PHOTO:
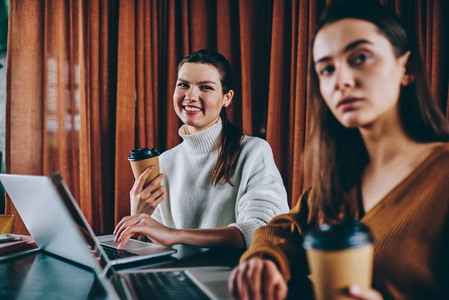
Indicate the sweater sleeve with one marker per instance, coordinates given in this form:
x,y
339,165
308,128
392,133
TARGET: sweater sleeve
x,y
281,241
264,197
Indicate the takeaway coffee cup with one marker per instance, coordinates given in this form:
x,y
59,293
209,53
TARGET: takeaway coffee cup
x,y
339,256
142,158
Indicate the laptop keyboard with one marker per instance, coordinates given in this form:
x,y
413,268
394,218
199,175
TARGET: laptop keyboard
x,y
165,285
114,253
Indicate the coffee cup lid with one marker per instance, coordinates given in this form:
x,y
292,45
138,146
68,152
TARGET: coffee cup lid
x,y
344,235
142,153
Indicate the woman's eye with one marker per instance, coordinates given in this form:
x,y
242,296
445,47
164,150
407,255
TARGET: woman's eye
x,y
183,85
327,70
206,87
361,58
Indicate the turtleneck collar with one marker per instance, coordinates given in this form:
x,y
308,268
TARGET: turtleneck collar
x,y
201,142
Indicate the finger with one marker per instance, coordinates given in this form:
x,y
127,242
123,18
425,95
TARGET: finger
x,y
271,279
123,220
143,177
232,284
255,277
131,221
128,233
268,285
159,199
281,291
125,238
151,187
360,293
149,193
242,288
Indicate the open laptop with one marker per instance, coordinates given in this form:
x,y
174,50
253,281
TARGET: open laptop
x,y
45,205
57,225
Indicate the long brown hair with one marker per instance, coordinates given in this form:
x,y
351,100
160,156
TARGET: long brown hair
x,y
336,156
229,141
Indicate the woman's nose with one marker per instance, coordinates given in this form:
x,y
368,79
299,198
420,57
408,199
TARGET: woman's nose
x,y
344,78
191,94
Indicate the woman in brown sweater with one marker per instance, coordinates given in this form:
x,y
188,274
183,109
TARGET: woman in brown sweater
x,y
378,153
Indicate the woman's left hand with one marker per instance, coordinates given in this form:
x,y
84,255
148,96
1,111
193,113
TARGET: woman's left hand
x,y
359,293
143,225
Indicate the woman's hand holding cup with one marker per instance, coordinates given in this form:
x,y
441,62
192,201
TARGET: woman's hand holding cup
x,y
147,192
145,199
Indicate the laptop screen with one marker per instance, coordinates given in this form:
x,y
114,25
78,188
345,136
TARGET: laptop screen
x,y
80,221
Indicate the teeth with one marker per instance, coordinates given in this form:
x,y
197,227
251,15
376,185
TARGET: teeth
x,y
189,108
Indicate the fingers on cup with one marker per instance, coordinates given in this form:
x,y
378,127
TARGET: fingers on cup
x,y
360,293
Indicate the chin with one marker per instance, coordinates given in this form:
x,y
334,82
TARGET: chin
x,y
351,123
355,119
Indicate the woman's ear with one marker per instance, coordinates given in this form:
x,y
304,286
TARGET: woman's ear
x,y
228,98
403,60
407,78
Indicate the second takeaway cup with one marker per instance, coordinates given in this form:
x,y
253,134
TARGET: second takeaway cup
x,y
339,256
142,158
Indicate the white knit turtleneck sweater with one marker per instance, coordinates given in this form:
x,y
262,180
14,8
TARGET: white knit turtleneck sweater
x,y
192,201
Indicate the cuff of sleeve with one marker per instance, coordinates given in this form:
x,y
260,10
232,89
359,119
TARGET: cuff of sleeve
x,y
247,229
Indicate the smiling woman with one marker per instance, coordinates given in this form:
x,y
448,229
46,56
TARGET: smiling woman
x,y
219,185
198,97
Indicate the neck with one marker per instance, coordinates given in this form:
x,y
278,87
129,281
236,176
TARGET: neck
x,y
388,146
386,141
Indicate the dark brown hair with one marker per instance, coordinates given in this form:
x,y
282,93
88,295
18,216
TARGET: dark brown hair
x,y
336,156
231,135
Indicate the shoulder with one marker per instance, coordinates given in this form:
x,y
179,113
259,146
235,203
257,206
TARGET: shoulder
x,y
256,149
443,151
256,155
439,158
250,143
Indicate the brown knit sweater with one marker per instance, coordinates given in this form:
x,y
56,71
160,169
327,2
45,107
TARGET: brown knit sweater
x,y
410,227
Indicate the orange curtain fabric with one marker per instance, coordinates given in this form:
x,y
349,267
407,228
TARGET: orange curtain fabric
x,y
88,81
61,99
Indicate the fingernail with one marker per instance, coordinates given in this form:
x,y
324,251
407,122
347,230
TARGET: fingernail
x,y
355,289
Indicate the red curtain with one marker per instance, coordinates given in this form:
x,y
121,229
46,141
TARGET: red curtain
x,y
87,81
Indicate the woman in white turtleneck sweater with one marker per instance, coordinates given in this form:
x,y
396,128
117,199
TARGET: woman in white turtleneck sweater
x,y
219,185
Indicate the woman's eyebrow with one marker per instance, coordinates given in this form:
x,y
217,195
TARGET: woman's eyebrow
x,y
207,81
200,82
355,44
349,47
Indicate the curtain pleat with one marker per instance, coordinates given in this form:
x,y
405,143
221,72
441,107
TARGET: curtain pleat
x,y
25,93
90,80
282,71
126,107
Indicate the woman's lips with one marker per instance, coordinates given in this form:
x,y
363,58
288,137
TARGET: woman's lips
x,y
192,109
348,103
